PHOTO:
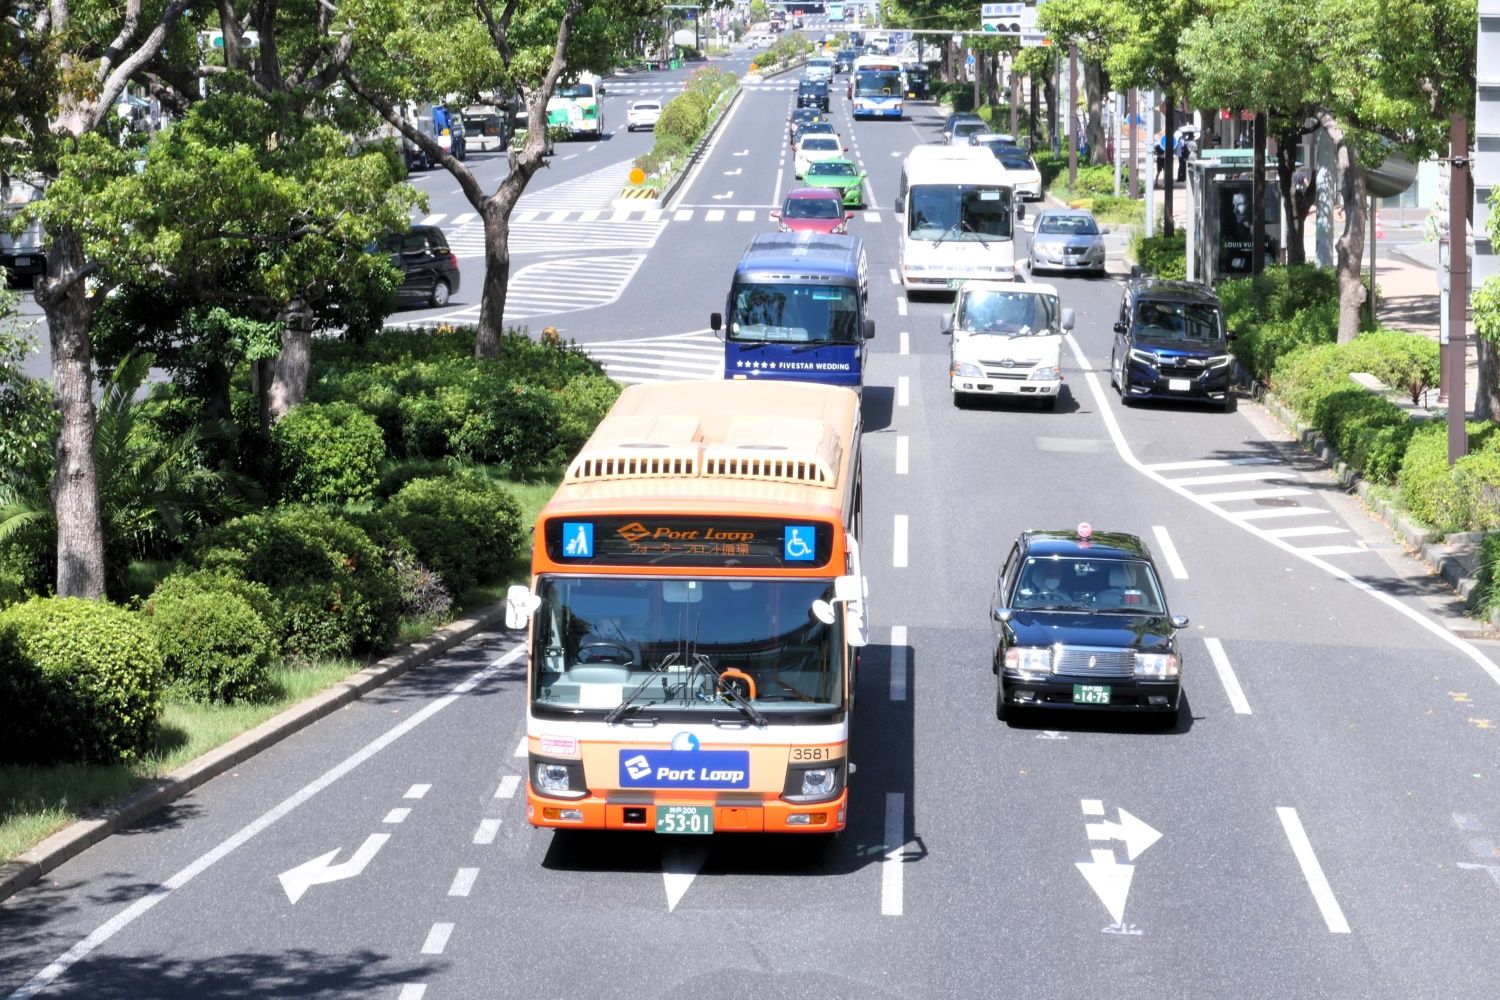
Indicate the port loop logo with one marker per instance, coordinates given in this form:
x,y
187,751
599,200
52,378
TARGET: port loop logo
x,y
701,769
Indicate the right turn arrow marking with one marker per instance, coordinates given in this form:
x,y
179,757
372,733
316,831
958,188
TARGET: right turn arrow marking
x,y
1137,834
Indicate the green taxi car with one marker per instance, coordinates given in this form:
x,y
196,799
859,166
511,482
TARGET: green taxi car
x,y
841,175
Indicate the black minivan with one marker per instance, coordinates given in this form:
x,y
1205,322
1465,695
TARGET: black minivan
x,y
429,269
1170,343
812,94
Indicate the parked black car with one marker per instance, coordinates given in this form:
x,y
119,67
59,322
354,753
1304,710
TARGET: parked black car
x,y
1081,623
428,267
918,81
1170,343
812,94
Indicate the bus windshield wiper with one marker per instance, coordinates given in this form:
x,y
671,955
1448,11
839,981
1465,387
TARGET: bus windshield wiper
x,y
803,348
629,700
950,232
729,693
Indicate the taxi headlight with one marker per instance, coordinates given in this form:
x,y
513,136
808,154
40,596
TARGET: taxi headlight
x,y
551,777
1029,659
1145,357
962,370
1044,373
1156,665
818,782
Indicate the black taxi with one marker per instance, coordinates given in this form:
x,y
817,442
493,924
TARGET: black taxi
x,y
1081,622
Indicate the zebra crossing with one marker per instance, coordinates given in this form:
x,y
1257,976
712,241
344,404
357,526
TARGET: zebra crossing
x,y
667,358
551,288
594,190
1262,491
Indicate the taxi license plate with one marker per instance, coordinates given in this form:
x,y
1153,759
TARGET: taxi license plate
x,y
1088,694
1180,384
684,819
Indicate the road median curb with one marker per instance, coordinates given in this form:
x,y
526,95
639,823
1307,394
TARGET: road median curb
x,y
30,866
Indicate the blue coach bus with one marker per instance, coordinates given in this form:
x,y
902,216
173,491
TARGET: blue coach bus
x,y
797,310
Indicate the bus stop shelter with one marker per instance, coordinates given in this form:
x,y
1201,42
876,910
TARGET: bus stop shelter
x,y
1219,211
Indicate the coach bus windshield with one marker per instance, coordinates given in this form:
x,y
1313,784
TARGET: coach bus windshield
x,y
794,314
960,212
875,83
671,644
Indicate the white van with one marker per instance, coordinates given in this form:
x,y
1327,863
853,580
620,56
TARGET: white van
x,y
958,214
1007,341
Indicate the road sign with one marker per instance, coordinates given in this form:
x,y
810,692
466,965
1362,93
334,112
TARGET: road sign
x,y
1006,18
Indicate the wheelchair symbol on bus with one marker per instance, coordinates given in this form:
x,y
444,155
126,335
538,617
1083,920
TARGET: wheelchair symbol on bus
x,y
798,543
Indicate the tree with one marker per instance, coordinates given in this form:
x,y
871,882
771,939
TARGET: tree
x,y
417,49
83,54
1096,27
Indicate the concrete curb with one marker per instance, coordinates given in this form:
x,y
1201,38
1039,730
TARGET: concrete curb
x,y
58,848
1455,571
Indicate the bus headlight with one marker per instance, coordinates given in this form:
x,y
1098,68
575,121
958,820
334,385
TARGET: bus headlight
x,y
1155,665
551,778
819,782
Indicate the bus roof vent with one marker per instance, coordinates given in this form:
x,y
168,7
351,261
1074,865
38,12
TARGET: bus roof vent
x,y
786,450
638,446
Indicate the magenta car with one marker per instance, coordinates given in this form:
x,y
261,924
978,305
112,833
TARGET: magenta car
x,y
813,210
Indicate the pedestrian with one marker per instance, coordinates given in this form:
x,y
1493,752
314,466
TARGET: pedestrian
x,y
1159,154
1187,145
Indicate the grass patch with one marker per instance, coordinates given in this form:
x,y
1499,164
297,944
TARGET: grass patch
x,y
36,802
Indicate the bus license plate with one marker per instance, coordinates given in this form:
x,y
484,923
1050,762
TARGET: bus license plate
x,y
684,819
1091,694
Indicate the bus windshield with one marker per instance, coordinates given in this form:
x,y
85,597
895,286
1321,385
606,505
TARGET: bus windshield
x,y
575,90
671,643
959,212
874,83
795,314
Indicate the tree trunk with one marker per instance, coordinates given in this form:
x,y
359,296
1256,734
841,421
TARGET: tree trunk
x,y
1093,88
1295,202
75,486
1049,94
290,370
496,277
1487,400
1349,248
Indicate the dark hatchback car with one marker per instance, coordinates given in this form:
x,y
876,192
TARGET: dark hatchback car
x,y
1081,622
918,81
1170,343
429,269
800,117
812,94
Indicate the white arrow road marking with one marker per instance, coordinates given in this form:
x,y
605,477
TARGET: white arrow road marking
x,y
722,197
1138,835
1110,881
679,866
297,881
733,173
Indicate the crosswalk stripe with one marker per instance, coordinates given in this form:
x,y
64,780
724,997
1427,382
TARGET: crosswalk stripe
x,y
745,215
714,215
464,218
1333,550
433,219
683,215
592,215
1233,477
525,216
1262,515
1250,494
1210,463
872,216
1302,532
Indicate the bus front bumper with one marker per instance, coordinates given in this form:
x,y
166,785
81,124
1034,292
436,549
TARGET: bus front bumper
x,y
635,811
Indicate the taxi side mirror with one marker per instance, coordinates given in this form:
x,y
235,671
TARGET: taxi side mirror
x,y
1001,614
1179,621
1119,327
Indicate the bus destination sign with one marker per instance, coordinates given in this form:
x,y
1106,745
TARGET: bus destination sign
x,y
688,541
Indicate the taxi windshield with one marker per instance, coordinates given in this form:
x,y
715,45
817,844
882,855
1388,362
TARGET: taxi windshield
x,y
666,643
1114,586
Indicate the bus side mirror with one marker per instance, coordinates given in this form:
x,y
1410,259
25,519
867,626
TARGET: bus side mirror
x,y
869,329
715,322
1068,317
520,605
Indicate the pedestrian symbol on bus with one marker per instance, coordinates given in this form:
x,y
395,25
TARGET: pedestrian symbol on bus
x,y
578,539
798,544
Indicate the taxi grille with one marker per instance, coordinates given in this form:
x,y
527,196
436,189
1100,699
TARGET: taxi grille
x,y
1094,661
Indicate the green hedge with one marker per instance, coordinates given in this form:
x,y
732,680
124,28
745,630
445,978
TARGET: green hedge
x,y
327,453
1050,165
1486,596
686,117
1161,256
1460,497
337,591
466,529
214,646
81,681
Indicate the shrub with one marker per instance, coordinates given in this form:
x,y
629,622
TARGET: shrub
x,y
337,592
1261,346
468,530
1049,165
1161,256
214,646
582,403
1460,497
682,118
1486,595
1093,181
1369,432
1403,361
327,453
1107,208
81,681
186,583
422,592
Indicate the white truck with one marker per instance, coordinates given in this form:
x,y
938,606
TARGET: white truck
x,y
1007,341
23,254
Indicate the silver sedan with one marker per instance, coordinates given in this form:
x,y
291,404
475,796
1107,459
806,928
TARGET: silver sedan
x,y
1067,240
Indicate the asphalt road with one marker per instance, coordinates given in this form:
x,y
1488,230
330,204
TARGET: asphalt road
x,y
1327,808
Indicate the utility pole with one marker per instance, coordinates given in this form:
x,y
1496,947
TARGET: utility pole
x,y
1458,292
1135,172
